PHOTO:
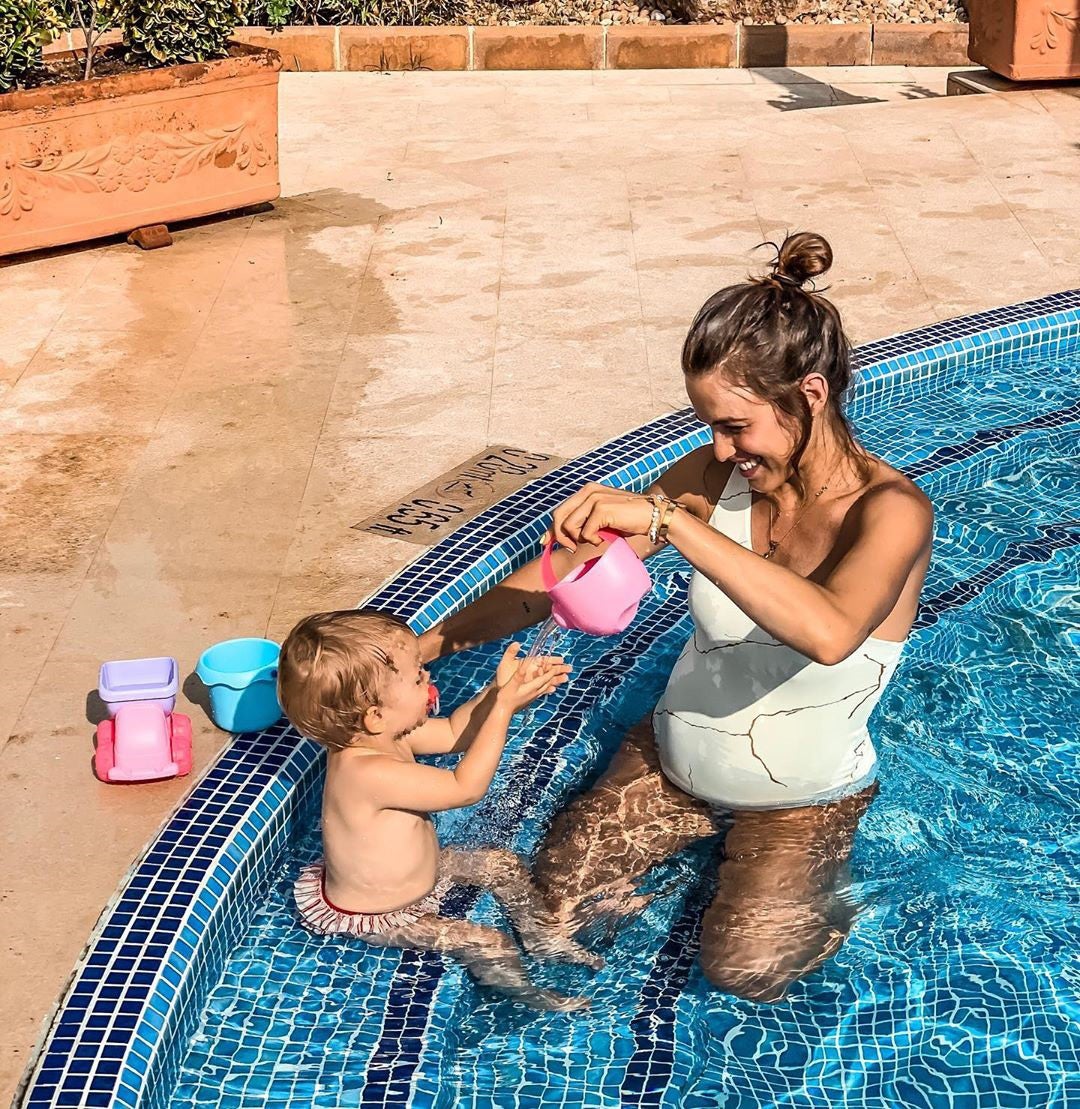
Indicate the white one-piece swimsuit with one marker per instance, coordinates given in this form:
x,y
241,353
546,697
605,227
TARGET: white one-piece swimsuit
x,y
747,722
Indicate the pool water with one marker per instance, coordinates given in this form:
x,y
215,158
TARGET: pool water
x,y
959,984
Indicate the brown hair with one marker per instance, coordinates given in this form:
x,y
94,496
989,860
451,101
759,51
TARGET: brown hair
x,y
332,668
768,333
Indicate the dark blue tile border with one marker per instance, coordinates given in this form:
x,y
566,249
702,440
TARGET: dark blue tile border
x,y
1054,537
649,1069
118,1034
1027,312
991,437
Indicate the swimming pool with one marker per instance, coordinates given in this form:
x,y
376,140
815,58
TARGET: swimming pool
x,y
955,986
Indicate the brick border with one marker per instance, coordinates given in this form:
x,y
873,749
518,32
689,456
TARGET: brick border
x,y
921,44
676,47
591,46
379,49
580,46
806,44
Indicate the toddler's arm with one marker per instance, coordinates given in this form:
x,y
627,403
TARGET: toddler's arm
x,y
400,785
456,733
449,735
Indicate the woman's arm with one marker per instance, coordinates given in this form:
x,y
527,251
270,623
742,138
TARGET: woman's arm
x,y
515,603
520,600
890,529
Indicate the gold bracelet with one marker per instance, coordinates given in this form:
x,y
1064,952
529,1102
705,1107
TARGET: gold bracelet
x,y
665,522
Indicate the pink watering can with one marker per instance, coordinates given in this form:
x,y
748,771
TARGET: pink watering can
x,y
601,596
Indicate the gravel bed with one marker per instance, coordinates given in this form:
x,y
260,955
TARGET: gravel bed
x,y
619,12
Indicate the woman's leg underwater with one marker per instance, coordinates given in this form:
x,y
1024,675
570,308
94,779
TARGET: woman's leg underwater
x,y
605,840
779,912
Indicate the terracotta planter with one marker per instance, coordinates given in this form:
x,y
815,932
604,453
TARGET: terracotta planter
x,y
92,158
1026,40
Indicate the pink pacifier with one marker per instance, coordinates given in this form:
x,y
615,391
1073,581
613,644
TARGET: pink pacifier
x,y
602,595
432,700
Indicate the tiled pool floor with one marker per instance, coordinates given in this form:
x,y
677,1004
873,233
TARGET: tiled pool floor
x,y
189,434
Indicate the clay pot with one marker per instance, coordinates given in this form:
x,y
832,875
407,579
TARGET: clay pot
x,y
91,158
1026,40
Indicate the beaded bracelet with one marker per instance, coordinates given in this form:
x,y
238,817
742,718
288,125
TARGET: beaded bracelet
x,y
663,509
654,523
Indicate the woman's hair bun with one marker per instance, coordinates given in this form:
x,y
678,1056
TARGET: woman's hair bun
x,y
802,256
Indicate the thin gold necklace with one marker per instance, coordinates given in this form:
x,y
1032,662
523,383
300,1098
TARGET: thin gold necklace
x,y
774,543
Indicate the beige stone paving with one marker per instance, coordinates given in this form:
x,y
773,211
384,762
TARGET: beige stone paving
x,y
459,259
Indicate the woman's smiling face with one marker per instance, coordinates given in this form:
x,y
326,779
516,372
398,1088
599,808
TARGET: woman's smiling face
x,y
746,430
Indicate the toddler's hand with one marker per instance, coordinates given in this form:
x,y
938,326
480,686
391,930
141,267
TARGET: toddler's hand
x,y
519,682
508,665
511,661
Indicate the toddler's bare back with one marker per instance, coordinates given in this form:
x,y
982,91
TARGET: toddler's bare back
x,y
377,859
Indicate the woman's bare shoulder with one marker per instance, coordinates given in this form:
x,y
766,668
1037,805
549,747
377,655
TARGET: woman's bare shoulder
x,y
889,477
891,491
696,480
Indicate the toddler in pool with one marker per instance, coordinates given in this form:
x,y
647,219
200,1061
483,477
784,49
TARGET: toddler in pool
x,y
354,682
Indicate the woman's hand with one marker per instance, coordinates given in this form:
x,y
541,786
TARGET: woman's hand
x,y
581,518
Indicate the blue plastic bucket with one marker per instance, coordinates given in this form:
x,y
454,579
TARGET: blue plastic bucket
x,y
241,675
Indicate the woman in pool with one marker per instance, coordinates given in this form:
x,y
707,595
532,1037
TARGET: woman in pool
x,y
809,555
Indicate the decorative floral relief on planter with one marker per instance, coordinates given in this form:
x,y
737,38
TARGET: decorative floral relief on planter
x,y
1046,39
130,163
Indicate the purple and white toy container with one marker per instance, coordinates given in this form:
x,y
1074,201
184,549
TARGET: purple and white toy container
x,y
154,680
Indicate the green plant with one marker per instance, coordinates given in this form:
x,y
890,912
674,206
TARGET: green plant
x,y
390,13
167,32
93,18
274,13
25,27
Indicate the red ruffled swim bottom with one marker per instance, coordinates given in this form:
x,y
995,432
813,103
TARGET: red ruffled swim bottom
x,y
319,915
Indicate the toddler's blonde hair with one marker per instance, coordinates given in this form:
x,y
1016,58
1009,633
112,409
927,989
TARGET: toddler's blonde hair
x,y
332,670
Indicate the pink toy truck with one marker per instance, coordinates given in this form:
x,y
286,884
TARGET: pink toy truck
x,y
143,739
